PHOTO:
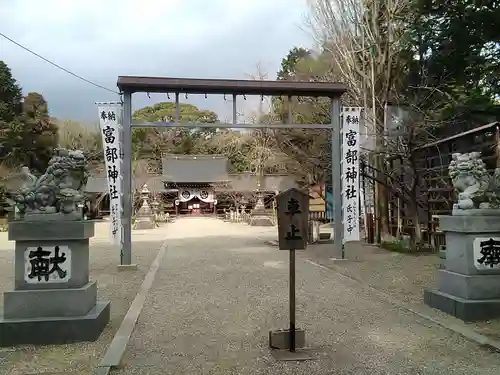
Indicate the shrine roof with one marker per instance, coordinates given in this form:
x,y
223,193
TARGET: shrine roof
x,y
230,86
249,182
99,184
194,168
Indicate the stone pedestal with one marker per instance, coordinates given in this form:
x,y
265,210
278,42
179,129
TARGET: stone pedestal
x,y
53,301
259,216
469,283
280,339
144,218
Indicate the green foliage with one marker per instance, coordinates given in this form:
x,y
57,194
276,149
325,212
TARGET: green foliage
x,y
289,63
452,58
4,206
307,150
10,110
151,143
39,134
28,135
399,246
165,111
10,95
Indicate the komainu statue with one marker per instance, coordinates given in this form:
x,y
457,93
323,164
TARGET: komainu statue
x,y
475,187
59,190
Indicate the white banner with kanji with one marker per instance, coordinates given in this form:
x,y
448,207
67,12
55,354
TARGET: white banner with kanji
x,y
350,173
110,116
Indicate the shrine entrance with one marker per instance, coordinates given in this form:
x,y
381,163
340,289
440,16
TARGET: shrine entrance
x,y
195,206
287,90
195,199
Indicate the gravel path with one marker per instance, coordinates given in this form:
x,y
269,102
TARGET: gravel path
x,y
403,276
119,287
220,290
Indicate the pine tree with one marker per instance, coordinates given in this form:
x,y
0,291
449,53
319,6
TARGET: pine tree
x,y
10,95
39,133
10,110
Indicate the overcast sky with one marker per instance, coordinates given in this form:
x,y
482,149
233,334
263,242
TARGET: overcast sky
x,y
101,40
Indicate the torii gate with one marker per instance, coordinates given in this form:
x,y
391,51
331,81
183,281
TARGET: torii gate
x,y
129,85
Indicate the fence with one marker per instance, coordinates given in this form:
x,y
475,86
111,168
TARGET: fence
x,y
436,193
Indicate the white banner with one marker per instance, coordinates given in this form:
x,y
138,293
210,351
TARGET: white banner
x,y
110,116
350,173
204,195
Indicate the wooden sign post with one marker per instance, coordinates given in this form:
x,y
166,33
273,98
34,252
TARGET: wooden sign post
x,y
293,214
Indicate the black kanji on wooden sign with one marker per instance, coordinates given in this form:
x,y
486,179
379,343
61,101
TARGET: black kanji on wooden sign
x,y
293,214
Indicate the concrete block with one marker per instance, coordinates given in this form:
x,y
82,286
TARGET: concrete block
x,y
261,221
280,339
466,310
127,267
471,224
475,287
55,330
49,230
144,223
79,264
460,254
22,304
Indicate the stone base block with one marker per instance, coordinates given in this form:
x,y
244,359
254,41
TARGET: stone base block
x,y
55,330
261,221
144,224
461,308
127,267
280,339
50,230
442,259
473,287
23,304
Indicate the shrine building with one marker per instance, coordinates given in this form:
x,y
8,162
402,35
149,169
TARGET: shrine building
x,y
196,185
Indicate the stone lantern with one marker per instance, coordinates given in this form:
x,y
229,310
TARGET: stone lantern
x,y
259,215
144,218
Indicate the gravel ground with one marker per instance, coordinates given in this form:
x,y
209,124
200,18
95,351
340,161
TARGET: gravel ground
x,y
118,287
216,297
402,276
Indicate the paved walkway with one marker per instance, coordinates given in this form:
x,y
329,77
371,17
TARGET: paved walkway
x,y
219,291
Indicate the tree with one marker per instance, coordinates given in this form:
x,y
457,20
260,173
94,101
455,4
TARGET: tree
x,y
10,95
254,151
289,63
361,37
10,110
452,61
165,111
75,135
150,143
308,151
39,134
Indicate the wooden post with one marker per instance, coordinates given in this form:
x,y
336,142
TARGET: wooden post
x,y
292,300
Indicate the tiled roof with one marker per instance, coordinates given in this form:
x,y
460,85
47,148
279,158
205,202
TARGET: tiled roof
x,y
195,168
99,184
248,182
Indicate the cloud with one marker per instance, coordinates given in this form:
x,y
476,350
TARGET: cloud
x,y
103,39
